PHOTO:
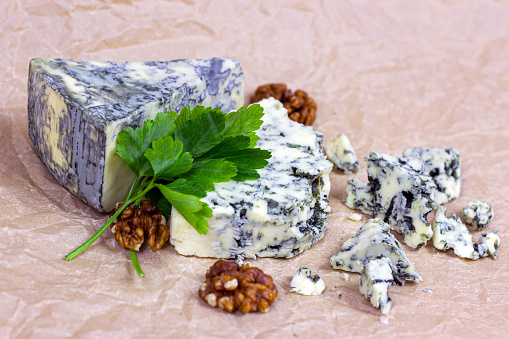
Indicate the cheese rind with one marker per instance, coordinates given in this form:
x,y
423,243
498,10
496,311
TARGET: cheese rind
x,y
478,213
280,214
443,164
340,151
374,240
450,232
304,283
376,278
399,192
76,110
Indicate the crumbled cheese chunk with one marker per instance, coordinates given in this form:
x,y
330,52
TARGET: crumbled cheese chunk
x,y
399,192
443,165
355,217
450,232
340,151
376,278
488,244
478,213
374,240
305,284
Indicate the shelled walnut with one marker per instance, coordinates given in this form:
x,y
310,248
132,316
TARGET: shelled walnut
x,y
231,287
136,223
301,107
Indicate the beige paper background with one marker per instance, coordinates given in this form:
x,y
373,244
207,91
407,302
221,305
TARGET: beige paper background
x,y
389,74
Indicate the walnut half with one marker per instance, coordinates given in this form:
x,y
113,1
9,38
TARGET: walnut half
x,y
301,107
136,223
244,288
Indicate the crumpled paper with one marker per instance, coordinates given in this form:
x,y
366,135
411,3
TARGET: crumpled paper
x,y
388,74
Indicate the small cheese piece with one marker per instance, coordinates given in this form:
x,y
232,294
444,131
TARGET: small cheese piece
x,y
443,164
76,110
488,244
360,196
399,192
355,217
305,284
280,214
340,151
376,278
374,240
450,232
478,213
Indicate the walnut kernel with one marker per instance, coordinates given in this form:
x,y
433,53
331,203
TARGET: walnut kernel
x,y
230,287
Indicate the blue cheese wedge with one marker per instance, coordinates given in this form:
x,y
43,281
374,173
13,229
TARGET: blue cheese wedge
x,y
376,278
443,164
304,283
488,244
450,232
374,240
280,214
76,110
399,192
340,151
478,213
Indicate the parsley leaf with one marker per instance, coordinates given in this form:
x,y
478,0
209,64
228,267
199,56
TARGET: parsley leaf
x,y
133,143
244,121
201,131
191,208
167,159
206,173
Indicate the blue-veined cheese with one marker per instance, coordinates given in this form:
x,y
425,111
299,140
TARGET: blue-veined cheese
x,y
443,164
305,283
374,240
376,278
450,232
340,151
478,213
488,244
399,192
76,110
280,214
360,196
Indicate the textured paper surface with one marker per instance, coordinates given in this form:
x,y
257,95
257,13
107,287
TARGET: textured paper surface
x,y
389,74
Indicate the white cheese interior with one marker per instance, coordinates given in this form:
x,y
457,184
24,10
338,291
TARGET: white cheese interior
x,y
376,278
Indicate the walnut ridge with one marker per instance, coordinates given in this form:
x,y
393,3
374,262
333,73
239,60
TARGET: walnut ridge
x,y
136,223
301,107
232,287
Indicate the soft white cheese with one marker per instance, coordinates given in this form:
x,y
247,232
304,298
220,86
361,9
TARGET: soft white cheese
x,y
488,244
450,232
374,240
376,278
306,284
399,192
478,213
340,151
443,164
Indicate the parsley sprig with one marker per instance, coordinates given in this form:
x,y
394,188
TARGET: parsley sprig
x,y
177,158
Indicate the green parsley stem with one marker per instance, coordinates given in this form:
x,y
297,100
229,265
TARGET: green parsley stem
x,y
90,241
136,265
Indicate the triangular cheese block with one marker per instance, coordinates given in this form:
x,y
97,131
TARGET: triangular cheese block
x,y
76,110
372,241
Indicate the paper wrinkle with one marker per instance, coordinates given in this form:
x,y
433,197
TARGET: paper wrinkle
x,y
389,75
